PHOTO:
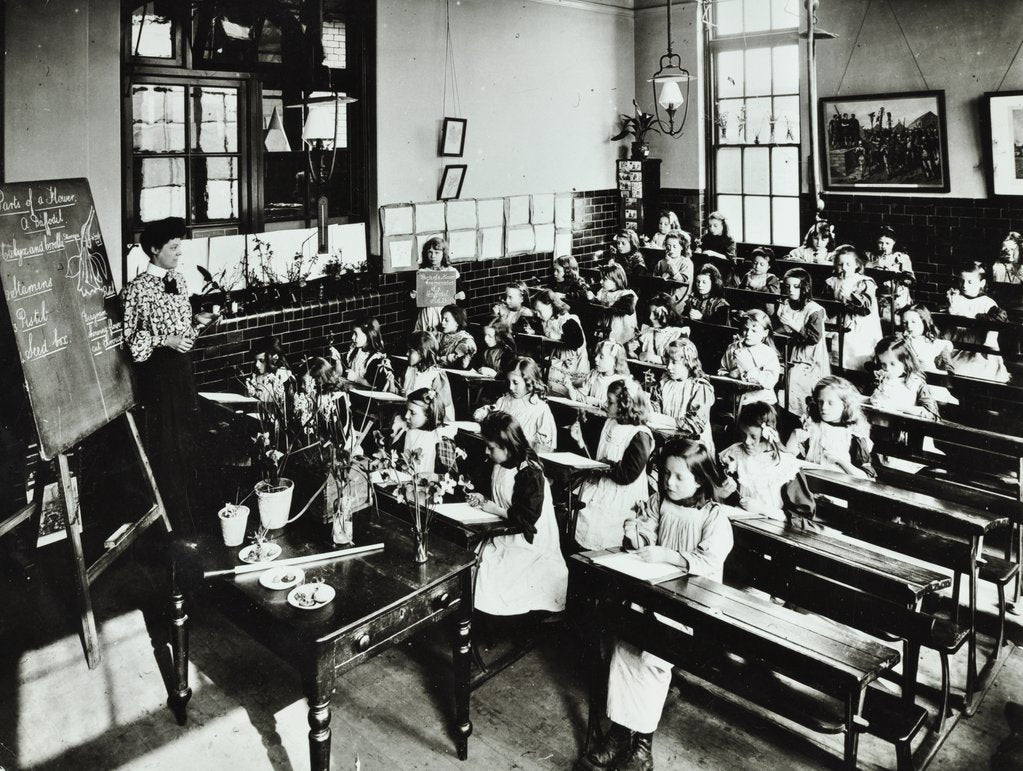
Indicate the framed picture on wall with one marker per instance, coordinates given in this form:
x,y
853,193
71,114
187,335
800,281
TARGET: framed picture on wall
x,y
452,141
451,182
1002,115
885,142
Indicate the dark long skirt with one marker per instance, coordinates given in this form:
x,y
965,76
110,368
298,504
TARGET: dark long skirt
x,y
167,394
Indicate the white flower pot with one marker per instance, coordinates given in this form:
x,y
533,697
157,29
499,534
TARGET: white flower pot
x,y
274,503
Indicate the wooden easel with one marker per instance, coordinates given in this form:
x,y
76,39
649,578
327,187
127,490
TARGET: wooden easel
x,y
86,575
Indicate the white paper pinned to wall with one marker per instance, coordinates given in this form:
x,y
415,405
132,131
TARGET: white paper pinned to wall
x,y
430,218
563,243
543,209
518,210
461,215
398,252
490,212
543,237
396,220
491,243
563,211
462,244
520,240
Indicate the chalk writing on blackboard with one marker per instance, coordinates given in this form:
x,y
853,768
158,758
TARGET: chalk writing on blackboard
x,y
435,288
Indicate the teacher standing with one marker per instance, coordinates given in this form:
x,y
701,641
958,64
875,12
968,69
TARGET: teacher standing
x,y
160,331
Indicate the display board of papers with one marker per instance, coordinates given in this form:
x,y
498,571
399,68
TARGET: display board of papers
x,y
481,229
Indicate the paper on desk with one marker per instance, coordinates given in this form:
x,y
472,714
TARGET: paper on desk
x,y
631,565
570,402
469,426
572,459
224,397
379,395
465,514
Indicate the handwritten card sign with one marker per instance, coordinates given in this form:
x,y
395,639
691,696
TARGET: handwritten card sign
x,y
435,288
61,300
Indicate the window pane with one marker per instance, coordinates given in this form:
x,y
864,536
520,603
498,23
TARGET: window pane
x,y
160,188
215,120
756,170
158,119
728,16
758,71
215,189
268,47
152,34
729,74
731,207
758,114
786,69
785,171
785,216
729,170
225,36
758,219
758,15
785,13
730,121
786,119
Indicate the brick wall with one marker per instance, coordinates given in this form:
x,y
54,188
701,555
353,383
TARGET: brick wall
x,y
937,233
332,38
688,204
304,331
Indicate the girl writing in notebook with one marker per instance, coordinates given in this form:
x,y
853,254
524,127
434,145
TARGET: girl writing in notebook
x,y
686,527
625,445
523,572
526,402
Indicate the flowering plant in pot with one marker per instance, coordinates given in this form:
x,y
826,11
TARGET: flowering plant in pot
x,y
271,449
418,490
637,126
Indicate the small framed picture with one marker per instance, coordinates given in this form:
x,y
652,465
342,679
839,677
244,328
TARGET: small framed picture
x,y
452,142
451,182
1002,115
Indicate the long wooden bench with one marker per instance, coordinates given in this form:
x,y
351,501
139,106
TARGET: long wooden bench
x,y
785,654
950,536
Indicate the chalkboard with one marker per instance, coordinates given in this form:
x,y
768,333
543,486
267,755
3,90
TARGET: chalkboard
x,y
64,309
435,288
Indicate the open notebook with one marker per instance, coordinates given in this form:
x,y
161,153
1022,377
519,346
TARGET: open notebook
x,y
572,459
382,396
465,514
631,565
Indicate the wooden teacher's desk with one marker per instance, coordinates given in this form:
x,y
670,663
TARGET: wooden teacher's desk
x,y
381,598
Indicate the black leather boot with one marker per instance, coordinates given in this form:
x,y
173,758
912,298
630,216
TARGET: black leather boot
x,y
616,743
641,756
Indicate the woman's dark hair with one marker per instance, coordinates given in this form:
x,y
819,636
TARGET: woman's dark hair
x,y
458,314
756,414
805,282
430,243
429,401
701,465
1016,238
662,310
616,273
503,430
157,234
547,297
823,231
763,251
374,338
569,264
717,284
425,345
630,234
272,349
720,217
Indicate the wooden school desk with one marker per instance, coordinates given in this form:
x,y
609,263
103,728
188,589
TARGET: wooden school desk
x,y
382,598
818,653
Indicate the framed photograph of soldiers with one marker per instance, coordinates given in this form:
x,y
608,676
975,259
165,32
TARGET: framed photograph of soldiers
x,y
885,142
1002,115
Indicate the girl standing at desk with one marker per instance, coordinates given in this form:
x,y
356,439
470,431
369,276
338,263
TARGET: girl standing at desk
x,y
160,331
435,257
685,528
524,572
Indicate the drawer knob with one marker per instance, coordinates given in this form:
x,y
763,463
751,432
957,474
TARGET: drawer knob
x,y
363,642
441,601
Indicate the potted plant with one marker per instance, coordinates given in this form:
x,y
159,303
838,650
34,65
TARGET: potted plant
x,y
416,489
271,448
346,275
637,126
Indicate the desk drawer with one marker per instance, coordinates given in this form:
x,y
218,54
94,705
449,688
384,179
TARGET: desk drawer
x,y
377,633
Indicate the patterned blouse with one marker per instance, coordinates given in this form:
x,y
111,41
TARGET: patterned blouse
x,y
152,312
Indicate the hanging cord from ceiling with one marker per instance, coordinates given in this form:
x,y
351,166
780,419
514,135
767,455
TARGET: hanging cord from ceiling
x,y
449,68
1012,61
906,40
852,49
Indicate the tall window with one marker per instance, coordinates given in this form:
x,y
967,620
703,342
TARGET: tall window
x,y
211,135
755,97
